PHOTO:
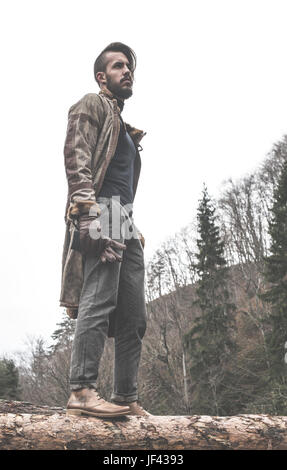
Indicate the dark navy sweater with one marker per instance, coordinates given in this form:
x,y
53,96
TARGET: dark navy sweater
x,y
119,176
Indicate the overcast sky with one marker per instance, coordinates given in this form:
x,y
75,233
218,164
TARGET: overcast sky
x,y
210,92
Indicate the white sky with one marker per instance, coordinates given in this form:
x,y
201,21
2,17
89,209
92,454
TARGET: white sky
x,y
210,92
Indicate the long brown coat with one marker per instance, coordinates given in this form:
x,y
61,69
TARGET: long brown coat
x,y
91,141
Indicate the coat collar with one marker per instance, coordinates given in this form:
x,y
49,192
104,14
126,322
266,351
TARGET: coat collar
x,y
108,94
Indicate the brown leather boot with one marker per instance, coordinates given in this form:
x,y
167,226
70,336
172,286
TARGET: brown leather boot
x,y
86,401
135,408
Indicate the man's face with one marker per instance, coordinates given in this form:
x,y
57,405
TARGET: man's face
x,y
118,75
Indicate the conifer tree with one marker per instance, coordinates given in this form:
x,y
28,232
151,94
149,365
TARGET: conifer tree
x,y
63,335
210,341
9,380
275,273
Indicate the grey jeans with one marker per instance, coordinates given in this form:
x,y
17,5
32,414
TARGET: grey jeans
x,y
112,304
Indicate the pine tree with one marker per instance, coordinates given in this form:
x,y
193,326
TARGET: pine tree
x,y
210,342
63,335
275,274
9,380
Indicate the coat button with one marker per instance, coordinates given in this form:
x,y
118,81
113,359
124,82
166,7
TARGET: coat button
x,y
130,228
130,213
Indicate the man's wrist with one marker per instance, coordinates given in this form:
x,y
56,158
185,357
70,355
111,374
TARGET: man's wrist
x,y
78,208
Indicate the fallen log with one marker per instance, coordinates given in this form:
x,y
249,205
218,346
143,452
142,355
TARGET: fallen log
x,y
27,426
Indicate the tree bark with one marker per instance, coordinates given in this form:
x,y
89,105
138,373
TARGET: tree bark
x,y
27,426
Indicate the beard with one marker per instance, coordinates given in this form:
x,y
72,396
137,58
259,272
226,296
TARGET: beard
x,y
117,90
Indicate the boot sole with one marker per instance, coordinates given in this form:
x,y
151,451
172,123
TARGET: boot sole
x,y
76,412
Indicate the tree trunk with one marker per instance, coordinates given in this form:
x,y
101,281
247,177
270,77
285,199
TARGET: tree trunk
x,y
186,399
27,426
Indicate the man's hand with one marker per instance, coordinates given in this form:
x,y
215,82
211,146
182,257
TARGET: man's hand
x,y
109,254
103,246
87,243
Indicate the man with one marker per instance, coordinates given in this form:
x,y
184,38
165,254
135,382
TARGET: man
x,y
103,262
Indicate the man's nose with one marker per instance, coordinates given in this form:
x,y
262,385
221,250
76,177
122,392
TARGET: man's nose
x,y
127,71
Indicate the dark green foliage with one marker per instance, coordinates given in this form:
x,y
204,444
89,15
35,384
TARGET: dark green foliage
x,y
276,294
63,335
9,378
210,341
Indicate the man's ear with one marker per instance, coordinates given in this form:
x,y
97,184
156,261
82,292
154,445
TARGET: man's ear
x,y
101,77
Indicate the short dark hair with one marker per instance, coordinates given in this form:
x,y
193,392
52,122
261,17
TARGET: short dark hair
x,y
101,62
